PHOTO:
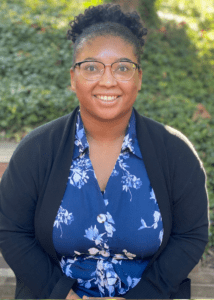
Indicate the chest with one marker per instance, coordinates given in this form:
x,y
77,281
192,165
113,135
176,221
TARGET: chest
x,y
103,159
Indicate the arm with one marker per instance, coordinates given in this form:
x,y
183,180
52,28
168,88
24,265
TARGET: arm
x,y
189,233
19,190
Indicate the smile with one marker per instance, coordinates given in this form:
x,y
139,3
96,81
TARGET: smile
x,y
106,98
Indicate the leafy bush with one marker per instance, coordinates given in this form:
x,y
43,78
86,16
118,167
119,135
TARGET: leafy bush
x,y
34,75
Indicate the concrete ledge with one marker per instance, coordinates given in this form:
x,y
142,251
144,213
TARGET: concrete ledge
x,y
202,291
3,167
7,291
6,151
196,269
204,275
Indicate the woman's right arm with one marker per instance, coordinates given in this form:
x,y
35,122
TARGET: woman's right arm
x,y
33,267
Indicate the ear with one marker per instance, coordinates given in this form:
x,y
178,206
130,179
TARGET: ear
x,y
140,74
73,83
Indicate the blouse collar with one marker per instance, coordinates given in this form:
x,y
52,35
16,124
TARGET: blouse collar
x,y
130,142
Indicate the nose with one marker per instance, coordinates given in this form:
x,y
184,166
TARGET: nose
x,y
107,78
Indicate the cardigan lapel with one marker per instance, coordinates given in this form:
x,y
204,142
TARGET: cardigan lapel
x,y
48,206
156,178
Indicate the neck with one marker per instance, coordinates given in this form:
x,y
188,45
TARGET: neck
x,y
105,131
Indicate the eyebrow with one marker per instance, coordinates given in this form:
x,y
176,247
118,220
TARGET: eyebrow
x,y
119,59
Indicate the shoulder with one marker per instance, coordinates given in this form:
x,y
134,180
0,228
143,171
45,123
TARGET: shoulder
x,y
50,129
167,139
46,136
177,158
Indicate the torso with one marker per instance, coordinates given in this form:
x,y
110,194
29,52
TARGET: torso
x,y
103,159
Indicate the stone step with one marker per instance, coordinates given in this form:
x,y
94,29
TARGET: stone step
x,y
3,167
202,291
6,151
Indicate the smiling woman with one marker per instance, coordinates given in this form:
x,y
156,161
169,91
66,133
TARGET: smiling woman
x,y
104,202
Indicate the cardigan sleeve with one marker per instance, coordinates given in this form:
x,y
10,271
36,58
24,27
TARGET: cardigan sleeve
x,y
32,266
190,224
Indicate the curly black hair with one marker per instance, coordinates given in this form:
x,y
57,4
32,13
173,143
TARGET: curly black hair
x,y
107,19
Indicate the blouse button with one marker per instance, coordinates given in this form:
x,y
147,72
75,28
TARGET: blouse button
x,y
101,218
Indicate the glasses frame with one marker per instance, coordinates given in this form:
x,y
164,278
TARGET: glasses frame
x,y
79,63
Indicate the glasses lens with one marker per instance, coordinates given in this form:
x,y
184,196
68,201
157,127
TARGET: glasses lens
x,y
123,70
91,70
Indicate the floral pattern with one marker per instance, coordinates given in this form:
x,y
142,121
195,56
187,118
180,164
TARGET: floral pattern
x,y
95,228
79,170
63,216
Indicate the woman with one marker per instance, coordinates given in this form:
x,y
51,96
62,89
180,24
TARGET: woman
x,y
127,219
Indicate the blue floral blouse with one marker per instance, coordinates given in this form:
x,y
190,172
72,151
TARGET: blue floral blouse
x,y
106,240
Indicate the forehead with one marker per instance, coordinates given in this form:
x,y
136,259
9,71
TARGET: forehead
x,y
106,48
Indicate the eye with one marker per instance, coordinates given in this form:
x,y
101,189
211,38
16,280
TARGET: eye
x,y
90,68
123,68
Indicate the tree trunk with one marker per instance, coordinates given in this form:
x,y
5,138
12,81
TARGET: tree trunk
x,y
128,5
148,13
146,9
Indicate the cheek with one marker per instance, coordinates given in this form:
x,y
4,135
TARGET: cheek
x,y
131,87
84,88
136,83
81,86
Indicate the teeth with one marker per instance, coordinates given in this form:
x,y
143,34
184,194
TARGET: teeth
x,y
106,98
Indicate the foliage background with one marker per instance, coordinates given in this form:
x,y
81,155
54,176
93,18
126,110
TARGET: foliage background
x,y
178,70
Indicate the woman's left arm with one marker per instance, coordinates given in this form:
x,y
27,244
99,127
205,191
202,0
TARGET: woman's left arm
x,y
190,223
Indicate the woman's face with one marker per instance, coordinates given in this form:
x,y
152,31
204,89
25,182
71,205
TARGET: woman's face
x,y
106,50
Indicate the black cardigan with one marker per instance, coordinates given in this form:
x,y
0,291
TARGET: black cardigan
x,y
33,186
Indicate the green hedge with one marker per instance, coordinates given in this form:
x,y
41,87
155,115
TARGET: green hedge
x,y
34,82
34,75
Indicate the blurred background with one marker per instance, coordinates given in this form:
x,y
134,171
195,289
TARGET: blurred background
x,y
177,63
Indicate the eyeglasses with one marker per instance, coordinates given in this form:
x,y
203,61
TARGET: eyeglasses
x,y
93,70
